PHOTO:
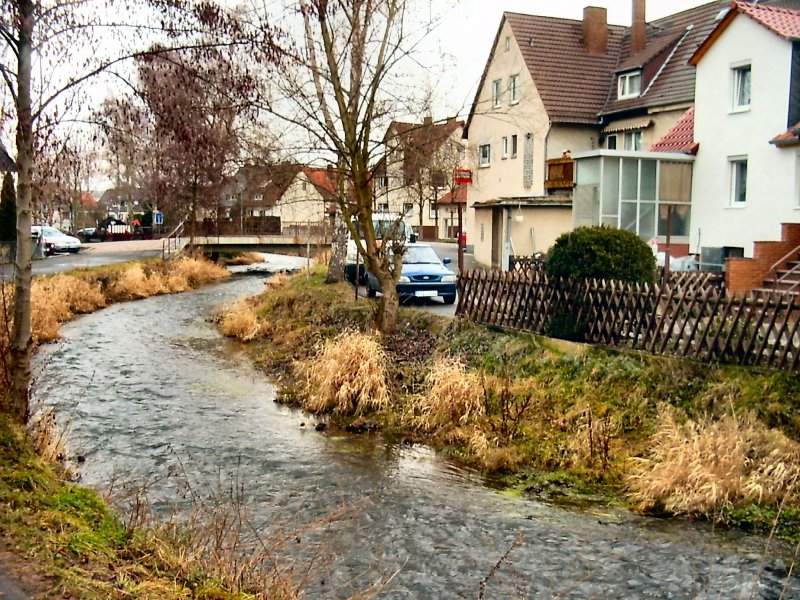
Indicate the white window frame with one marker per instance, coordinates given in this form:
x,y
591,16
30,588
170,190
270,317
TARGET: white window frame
x,y
504,148
433,208
625,85
408,208
735,163
497,93
632,140
611,137
513,89
514,145
740,103
485,160
383,207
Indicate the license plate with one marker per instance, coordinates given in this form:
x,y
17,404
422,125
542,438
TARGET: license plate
x,y
425,293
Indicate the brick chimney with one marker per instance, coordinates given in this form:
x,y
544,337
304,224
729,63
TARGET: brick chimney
x,y
595,29
638,27
427,121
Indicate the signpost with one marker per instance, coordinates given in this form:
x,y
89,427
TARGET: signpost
x,y
461,177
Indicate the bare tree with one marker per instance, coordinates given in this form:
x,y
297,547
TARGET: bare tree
x,y
352,61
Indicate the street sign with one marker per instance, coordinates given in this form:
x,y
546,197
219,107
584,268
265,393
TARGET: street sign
x,y
461,176
158,218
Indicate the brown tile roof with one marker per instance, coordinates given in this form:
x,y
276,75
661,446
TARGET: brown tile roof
x,y
420,140
667,77
271,181
680,138
321,179
790,137
780,17
572,83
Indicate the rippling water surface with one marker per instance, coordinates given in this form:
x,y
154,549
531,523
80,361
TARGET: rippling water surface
x,y
157,398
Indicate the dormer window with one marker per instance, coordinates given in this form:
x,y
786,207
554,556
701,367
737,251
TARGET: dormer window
x,y
629,85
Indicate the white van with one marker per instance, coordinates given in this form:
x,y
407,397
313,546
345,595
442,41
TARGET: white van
x,y
384,224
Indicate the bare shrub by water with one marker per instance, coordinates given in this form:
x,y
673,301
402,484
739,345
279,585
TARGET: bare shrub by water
x,y
700,467
454,397
240,321
347,376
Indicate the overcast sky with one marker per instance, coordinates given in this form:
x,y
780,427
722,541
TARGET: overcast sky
x,y
468,32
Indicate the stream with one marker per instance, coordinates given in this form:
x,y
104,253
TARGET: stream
x,y
156,400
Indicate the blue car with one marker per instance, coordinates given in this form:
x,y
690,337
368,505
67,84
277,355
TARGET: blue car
x,y
424,276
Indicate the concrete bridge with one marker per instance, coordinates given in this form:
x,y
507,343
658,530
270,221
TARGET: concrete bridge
x,y
279,243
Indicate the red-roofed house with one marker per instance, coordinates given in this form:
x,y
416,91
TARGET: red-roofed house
x,y
746,189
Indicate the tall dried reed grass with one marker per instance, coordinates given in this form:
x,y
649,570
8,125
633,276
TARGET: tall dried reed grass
x,y
700,467
454,397
240,321
57,299
134,283
347,376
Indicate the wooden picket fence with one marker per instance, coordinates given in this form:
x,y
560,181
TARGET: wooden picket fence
x,y
683,317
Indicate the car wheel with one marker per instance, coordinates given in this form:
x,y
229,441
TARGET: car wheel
x,y
449,299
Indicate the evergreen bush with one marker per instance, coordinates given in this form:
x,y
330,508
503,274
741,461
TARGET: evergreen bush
x,y
601,253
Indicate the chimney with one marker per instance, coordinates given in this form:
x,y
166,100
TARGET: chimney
x,y
427,121
595,29
638,27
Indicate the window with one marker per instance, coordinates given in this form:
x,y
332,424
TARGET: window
x,y
513,146
432,210
632,141
383,181
738,181
484,155
497,92
504,148
408,208
611,142
507,43
513,88
383,207
629,85
741,87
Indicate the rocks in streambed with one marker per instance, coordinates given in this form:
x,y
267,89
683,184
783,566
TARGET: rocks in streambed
x,y
361,425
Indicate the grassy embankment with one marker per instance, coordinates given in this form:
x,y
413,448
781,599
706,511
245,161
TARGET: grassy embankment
x,y
656,434
78,546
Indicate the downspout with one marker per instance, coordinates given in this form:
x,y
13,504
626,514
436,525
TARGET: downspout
x,y
544,164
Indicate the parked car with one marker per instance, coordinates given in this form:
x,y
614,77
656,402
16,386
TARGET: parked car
x,y
54,241
424,275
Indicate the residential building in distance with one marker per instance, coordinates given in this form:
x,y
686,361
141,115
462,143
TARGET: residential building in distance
x,y
415,174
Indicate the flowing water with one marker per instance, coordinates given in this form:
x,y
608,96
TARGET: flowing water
x,y
157,399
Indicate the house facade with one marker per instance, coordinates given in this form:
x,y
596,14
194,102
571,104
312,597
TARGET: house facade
x,y
747,171
416,174
555,85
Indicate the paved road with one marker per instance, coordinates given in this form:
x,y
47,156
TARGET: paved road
x,y
92,255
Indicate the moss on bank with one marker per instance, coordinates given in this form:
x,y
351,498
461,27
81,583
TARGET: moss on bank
x,y
561,420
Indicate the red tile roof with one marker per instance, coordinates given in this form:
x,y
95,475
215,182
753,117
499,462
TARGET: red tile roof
x,y
790,137
782,17
680,138
457,196
784,22
321,179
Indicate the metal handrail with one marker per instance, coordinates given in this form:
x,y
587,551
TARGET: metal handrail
x,y
167,242
793,271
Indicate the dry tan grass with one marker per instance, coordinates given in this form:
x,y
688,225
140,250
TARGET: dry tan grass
x,y
594,429
245,258
49,440
454,397
347,376
55,300
700,467
197,271
240,321
135,283
276,282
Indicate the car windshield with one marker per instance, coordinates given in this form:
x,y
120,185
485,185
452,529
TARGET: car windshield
x,y
52,232
420,255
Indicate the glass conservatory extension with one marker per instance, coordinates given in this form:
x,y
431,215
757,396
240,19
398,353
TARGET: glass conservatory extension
x,y
634,191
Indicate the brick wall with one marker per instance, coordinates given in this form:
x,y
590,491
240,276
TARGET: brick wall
x,y
744,274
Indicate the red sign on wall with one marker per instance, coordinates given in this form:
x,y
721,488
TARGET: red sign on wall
x,y
461,176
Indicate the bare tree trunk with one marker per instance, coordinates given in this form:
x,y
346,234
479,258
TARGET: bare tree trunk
x,y
16,404
389,308
338,251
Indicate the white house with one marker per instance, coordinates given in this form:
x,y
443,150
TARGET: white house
x,y
747,103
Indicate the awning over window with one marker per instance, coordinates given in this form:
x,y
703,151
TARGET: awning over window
x,y
632,124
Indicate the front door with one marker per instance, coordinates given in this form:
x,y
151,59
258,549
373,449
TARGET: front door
x,y
497,237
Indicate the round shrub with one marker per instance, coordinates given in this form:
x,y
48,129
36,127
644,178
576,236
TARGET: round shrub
x,y
601,253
